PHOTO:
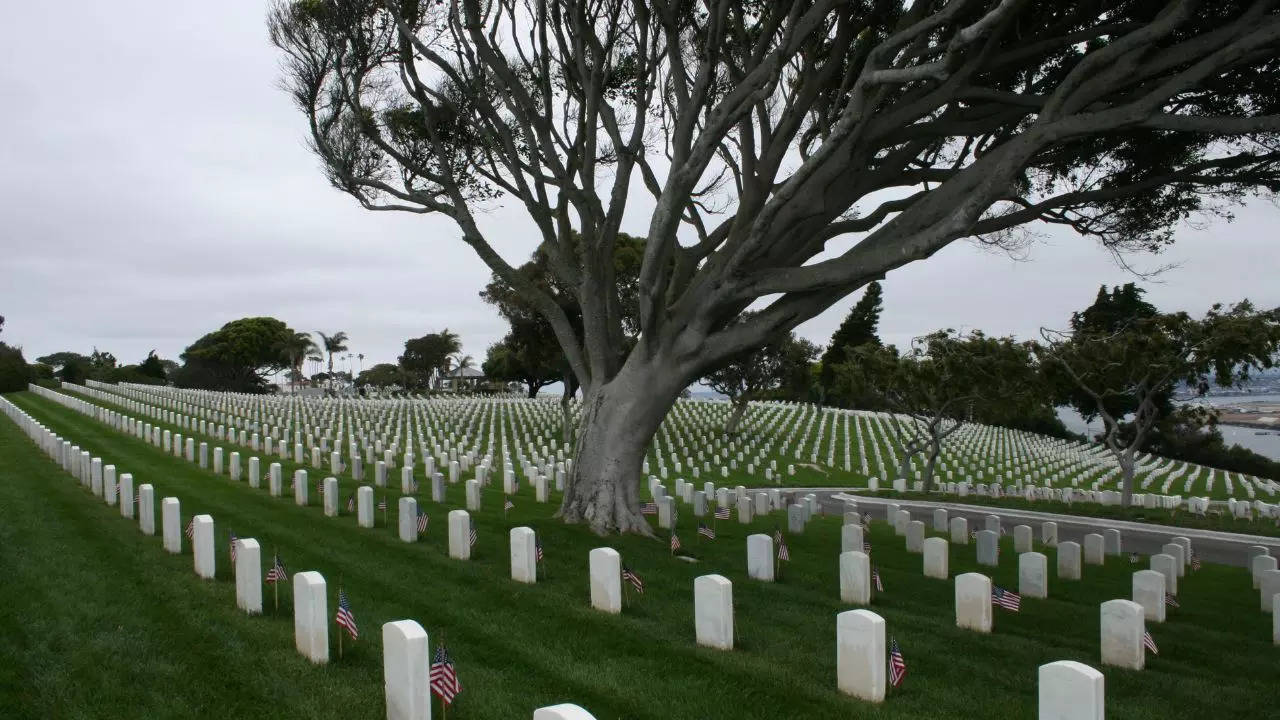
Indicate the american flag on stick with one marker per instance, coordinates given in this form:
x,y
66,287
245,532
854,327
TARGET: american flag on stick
x,y
897,664
277,572
722,513
382,504
783,552
875,578
1195,561
649,509
1171,601
675,542
630,576
706,532
1133,558
344,618
1006,599
191,528
444,679
473,535
1149,642
866,547
233,548
537,548
508,505
351,504
422,521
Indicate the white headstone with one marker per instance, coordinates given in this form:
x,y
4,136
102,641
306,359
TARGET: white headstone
x,y
1148,591
407,518
1049,533
566,711
860,655
1166,564
1033,575
311,616
248,567
1260,564
406,664
988,548
936,558
1068,561
760,557
126,495
147,509
473,495
331,496
300,487
1122,629
713,611
1094,549
1022,538
915,536
364,506
171,524
1070,691
1268,586
524,558
851,538
959,531
459,535
202,547
973,602
606,580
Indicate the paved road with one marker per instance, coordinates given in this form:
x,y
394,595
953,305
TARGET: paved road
x,y
1143,538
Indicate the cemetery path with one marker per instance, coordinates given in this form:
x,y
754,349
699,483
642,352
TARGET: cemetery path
x,y
1143,538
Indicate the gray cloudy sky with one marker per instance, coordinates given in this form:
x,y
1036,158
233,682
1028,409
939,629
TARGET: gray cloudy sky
x,y
155,184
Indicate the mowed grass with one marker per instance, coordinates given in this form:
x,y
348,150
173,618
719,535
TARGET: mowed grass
x,y
99,621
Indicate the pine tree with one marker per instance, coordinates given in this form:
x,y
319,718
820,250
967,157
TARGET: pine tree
x,y
858,328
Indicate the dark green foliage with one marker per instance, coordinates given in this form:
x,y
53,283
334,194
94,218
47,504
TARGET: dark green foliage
x,y
153,367
59,359
858,328
236,357
14,371
74,370
382,375
528,354
425,358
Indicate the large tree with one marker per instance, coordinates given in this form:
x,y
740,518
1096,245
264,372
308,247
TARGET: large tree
x,y
426,359
238,356
766,134
1135,367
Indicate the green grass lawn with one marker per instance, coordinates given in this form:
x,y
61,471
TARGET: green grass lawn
x,y
99,621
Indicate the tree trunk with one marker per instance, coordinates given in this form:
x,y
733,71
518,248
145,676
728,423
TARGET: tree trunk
x,y
1126,482
618,420
904,467
735,417
935,447
533,389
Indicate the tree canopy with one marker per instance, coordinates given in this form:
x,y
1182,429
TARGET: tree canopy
x,y
238,356
858,328
426,358
791,152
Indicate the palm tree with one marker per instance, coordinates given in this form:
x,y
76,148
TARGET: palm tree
x,y
333,344
360,357
295,349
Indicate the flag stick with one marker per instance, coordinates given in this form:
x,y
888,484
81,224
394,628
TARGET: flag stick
x,y
335,621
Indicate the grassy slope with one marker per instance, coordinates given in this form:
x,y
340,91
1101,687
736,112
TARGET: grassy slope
x,y
179,646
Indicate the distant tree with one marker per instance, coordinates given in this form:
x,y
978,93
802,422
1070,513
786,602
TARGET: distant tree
x,y
528,354
74,370
858,328
152,366
427,358
15,374
1133,366
750,375
170,367
382,375
797,380
236,357
333,344
295,349
943,381
59,359
1112,312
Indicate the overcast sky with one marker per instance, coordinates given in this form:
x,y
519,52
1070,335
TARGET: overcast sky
x,y
155,185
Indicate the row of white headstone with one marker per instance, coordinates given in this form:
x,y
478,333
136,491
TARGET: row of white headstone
x,y
406,650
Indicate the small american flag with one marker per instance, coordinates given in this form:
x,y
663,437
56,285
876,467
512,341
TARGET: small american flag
x,y
875,578
345,619
1006,599
722,513
137,498
277,572
1133,558
777,536
1149,642
473,533
783,552
866,547
629,575
537,548
1171,601
382,504
413,485
675,542
897,664
191,529
444,679
1195,561
706,532
649,509
973,534
233,548
351,504
422,521
508,505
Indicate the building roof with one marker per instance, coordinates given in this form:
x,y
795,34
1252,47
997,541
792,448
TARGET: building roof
x,y
466,372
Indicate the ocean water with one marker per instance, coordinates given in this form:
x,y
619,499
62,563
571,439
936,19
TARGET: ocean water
x,y
1263,442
